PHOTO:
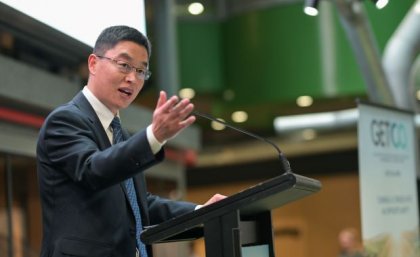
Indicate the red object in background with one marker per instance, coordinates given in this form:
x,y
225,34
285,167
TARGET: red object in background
x,y
190,158
21,118
186,157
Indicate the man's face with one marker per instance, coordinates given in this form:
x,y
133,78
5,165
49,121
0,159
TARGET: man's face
x,y
346,240
114,88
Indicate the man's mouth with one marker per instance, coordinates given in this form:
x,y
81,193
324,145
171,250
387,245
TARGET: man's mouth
x,y
125,91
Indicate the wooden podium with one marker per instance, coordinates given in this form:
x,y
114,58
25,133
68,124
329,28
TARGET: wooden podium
x,y
238,224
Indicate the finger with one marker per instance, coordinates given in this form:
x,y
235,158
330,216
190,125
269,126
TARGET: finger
x,y
181,104
186,111
215,198
170,103
162,99
187,122
219,197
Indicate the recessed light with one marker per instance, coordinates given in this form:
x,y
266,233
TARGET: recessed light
x,y
218,126
239,116
187,93
304,101
196,8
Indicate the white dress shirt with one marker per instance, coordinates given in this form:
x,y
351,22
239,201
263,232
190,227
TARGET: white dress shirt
x,y
106,116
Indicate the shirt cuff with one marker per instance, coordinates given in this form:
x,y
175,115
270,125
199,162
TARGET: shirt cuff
x,y
155,145
198,207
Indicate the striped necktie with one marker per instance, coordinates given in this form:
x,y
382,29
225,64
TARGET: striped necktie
x,y
131,191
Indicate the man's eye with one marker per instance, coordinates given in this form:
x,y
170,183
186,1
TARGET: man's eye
x,y
142,72
124,65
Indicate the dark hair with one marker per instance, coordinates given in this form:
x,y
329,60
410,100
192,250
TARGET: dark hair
x,y
111,36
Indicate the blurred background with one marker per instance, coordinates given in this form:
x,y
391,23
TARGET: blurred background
x,y
261,65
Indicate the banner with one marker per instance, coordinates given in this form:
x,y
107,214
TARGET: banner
x,y
388,189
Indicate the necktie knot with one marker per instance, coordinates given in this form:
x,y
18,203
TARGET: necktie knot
x,y
116,123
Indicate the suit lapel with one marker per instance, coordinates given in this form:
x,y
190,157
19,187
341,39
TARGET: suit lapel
x,y
103,141
83,104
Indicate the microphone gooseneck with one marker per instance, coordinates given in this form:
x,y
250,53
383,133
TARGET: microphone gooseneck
x,y
285,165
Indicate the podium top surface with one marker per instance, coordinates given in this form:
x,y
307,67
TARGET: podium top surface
x,y
259,198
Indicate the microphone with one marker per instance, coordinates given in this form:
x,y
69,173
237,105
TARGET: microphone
x,y
285,165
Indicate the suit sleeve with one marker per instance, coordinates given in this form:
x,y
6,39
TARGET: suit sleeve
x,y
71,142
161,209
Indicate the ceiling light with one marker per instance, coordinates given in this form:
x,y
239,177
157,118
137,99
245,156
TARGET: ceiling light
x,y
309,134
239,116
196,8
380,3
311,7
304,101
218,126
188,93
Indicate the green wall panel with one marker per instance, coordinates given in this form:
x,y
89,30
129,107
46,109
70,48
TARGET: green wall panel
x,y
200,56
272,55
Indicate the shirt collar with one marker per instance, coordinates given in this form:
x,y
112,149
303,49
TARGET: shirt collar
x,y
104,114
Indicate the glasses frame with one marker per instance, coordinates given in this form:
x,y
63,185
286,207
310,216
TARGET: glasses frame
x,y
126,68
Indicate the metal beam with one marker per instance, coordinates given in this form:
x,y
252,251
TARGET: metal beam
x,y
165,42
354,20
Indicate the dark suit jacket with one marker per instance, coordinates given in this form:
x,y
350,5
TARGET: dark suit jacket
x,y
85,210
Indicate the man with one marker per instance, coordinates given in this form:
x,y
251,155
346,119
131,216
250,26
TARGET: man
x,y
87,166
350,244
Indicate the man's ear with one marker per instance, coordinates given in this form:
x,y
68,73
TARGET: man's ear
x,y
92,61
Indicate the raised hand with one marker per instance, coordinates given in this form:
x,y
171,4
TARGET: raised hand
x,y
171,116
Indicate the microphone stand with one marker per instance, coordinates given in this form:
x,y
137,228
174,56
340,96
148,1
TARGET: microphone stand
x,y
285,165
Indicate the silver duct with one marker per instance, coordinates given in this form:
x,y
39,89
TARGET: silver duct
x,y
357,27
401,69
399,57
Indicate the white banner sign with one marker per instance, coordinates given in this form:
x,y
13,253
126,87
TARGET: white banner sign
x,y
388,167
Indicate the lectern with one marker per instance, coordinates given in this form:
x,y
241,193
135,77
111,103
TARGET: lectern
x,y
239,225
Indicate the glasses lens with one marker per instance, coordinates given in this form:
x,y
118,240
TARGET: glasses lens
x,y
124,67
145,75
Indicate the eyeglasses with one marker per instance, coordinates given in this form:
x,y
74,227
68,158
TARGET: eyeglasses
x,y
126,68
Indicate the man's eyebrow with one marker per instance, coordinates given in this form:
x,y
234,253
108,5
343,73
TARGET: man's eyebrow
x,y
125,56
130,59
